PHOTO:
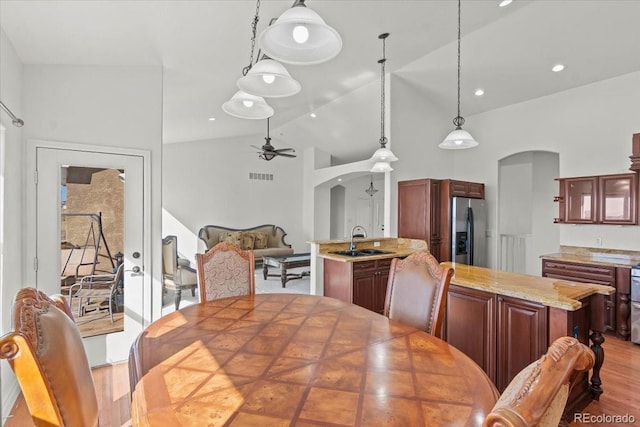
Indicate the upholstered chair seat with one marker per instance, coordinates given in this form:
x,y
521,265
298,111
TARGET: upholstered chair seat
x,y
177,274
46,353
417,292
225,270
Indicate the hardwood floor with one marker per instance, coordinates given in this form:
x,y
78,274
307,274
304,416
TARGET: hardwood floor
x,y
621,384
620,378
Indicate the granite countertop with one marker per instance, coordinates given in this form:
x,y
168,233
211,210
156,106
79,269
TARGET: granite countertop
x,y
596,256
551,292
399,247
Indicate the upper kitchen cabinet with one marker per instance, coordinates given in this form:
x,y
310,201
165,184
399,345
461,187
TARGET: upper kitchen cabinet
x,y
604,199
618,198
474,190
581,197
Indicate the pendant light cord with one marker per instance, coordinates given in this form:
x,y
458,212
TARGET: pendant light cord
x,y
383,139
268,138
459,120
254,27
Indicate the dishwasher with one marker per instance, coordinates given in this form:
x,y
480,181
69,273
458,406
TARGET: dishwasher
x,y
635,304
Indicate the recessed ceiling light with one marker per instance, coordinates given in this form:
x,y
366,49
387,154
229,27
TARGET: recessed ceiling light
x,y
557,68
313,115
212,119
339,179
479,92
504,3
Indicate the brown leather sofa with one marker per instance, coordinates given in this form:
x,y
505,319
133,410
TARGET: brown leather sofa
x,y
266,239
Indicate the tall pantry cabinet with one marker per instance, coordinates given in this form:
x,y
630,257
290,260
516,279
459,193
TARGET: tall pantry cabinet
x,y
424,209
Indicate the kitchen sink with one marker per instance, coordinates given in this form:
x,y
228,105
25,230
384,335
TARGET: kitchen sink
x,y
361,252
374,251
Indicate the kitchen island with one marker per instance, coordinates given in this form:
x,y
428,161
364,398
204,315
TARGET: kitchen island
x,y
361,277
603,266
504,321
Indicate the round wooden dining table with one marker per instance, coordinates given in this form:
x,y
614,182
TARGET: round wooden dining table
x,y
291,359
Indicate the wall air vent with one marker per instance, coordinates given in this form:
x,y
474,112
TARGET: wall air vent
x,y
261,176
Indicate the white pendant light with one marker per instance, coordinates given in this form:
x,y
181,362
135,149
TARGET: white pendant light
x,y
270,79
381,167
300,36
459,138
383,155
246,106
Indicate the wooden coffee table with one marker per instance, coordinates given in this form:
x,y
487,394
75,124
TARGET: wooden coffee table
x,y
284,263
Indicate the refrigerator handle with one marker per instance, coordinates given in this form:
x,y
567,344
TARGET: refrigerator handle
x,y
470,239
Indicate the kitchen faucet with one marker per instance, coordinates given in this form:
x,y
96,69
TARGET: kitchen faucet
x,y
352,246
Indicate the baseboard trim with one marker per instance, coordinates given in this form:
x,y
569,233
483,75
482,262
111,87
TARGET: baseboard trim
x,y
9,399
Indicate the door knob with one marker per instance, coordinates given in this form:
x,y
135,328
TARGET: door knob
x,y
136,255
136,269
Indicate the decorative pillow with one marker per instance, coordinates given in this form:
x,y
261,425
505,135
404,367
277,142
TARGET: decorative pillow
x,y
247,241
234,237
260,240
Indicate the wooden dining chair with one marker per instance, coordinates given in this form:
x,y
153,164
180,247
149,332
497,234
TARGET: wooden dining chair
x,y
417,292
537,396
46,354
225,270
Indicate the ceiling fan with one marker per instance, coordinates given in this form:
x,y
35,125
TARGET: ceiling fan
x,y
268,151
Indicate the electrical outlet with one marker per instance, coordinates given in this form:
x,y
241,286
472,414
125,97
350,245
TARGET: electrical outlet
x,y
376,244
598,241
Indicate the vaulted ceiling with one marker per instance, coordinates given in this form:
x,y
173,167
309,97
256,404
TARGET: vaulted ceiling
x,y
203,46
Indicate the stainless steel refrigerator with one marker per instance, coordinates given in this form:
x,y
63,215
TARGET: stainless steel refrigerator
x,y
469,231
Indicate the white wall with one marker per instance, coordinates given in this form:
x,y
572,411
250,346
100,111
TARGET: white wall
x,y
207,182
11,264
591,129
417,127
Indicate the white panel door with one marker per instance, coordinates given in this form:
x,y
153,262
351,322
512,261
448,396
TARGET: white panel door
x,y
111,347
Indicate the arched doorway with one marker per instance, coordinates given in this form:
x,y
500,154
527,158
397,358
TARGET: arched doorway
x,y
526,188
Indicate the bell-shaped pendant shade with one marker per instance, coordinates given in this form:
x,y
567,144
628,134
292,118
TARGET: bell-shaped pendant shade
x,y
246,106
270,79
384,154
458,139
300,36
381,167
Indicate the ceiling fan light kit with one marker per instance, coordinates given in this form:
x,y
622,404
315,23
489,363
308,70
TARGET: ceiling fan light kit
x,y
383,155
246,106
459,138
268,152
270,79
301,37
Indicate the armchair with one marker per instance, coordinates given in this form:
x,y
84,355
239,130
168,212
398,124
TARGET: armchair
x,y
177,275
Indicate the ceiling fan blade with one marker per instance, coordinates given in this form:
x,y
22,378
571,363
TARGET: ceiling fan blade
x,y
284,149
286,155
256,147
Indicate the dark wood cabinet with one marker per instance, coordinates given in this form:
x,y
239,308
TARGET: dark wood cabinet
x,y
363,283
501,334
616,306
424,209
522,336
471,315
617,199
419,212
475,190
603,199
